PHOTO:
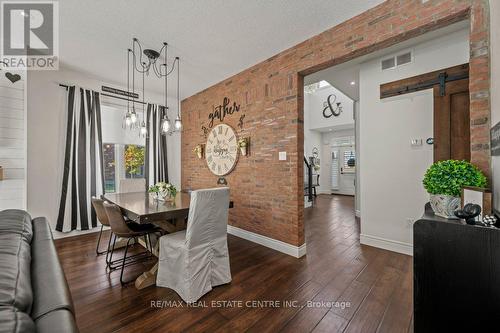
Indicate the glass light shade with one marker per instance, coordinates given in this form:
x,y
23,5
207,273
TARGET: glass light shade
x,y
133,117
128,120
143,131
178,123
165,125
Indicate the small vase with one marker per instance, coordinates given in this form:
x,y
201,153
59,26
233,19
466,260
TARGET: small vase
x,y
444,205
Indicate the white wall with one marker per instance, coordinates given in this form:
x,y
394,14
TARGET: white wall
x,y
13,141
46,123
314,122
312,138
392,171
495,89
313,104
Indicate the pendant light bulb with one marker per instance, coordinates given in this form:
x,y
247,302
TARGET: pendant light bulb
x,y
178,124
165,125
143,131
128,120
133,116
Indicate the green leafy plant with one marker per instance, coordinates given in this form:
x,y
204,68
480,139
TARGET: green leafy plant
x,y
448,177
163,188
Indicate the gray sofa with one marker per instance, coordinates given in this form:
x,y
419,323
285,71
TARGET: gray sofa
x,y
34,294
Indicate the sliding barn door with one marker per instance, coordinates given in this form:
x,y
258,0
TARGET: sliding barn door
x,y
452,122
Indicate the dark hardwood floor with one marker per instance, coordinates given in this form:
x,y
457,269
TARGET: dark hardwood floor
x,y
363,289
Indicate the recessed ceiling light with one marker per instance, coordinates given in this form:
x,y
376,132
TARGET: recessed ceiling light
x,y
353,83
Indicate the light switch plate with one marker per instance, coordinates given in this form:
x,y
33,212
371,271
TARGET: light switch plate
x,y
282,155
416,142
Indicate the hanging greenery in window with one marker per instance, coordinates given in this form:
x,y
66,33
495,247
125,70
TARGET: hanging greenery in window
x,y
134,159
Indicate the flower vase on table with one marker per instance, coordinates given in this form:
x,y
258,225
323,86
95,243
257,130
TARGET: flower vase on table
x,y
162,191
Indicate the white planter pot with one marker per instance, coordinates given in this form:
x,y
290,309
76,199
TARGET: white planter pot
x,y
444,205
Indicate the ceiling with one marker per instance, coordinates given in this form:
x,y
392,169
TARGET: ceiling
x,y
214,39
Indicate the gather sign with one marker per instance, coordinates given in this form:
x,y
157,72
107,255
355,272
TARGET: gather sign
x,y
220,112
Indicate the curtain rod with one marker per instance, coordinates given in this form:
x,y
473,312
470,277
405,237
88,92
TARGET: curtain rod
x,y
107,95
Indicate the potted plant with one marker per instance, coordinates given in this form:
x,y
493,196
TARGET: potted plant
x,y
243,145
198,150
163,191
444,181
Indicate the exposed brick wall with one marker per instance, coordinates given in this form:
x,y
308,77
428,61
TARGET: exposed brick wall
x,y
268,193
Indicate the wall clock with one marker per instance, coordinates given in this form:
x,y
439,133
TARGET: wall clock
x,y
221,150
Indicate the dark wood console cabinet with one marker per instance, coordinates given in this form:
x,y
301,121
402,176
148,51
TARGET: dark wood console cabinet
x,y
456,276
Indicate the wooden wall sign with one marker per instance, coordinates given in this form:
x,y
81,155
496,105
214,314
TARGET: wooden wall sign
x,y
220,112
495,140
119,92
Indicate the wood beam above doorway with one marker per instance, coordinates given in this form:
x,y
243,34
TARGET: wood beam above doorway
x,y
425,81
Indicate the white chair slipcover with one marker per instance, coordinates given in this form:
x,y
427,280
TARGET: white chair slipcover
x,y
128,185
193,261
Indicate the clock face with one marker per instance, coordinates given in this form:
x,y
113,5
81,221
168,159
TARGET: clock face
x,y
221,150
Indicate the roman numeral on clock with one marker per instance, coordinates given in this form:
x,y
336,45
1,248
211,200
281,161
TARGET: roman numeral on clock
x,y
220,129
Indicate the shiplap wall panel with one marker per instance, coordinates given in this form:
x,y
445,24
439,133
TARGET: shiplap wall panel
x,y
11,123
13,174
13,103
11,113
12,142
10,92
11,133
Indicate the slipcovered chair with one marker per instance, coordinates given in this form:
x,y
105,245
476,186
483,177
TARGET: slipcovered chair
x,y
128,185
195,260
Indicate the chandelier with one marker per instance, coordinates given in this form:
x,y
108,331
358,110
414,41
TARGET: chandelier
x,y
143,62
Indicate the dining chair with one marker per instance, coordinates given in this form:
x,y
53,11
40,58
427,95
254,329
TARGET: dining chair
x,y
103,219
132,185
130,231
193,261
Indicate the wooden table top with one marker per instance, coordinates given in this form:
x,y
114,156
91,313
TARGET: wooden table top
x,y
142,208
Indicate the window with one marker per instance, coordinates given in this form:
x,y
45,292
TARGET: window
x,y
108,152
123,150
121,161
349,164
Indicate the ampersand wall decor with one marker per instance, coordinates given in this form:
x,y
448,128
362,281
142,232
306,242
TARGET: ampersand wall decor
x,y
329,110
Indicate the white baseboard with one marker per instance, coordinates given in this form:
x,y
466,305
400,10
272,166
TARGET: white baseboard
x,y
357,213
386,244
294,251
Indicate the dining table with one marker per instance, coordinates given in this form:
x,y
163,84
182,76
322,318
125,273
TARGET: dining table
x,y
169,215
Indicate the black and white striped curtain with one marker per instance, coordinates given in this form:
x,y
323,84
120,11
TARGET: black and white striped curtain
x,y
82,174
156,169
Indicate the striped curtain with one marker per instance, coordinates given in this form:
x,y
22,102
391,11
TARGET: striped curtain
x,y
156,169
82,174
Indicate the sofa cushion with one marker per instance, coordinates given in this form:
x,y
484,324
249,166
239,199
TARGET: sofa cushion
x,y
50,289
15,221
59,321
15,260
14,321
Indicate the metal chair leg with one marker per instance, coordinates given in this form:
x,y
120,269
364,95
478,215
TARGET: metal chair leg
x,y
112,250
108,260
98,242
123,262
